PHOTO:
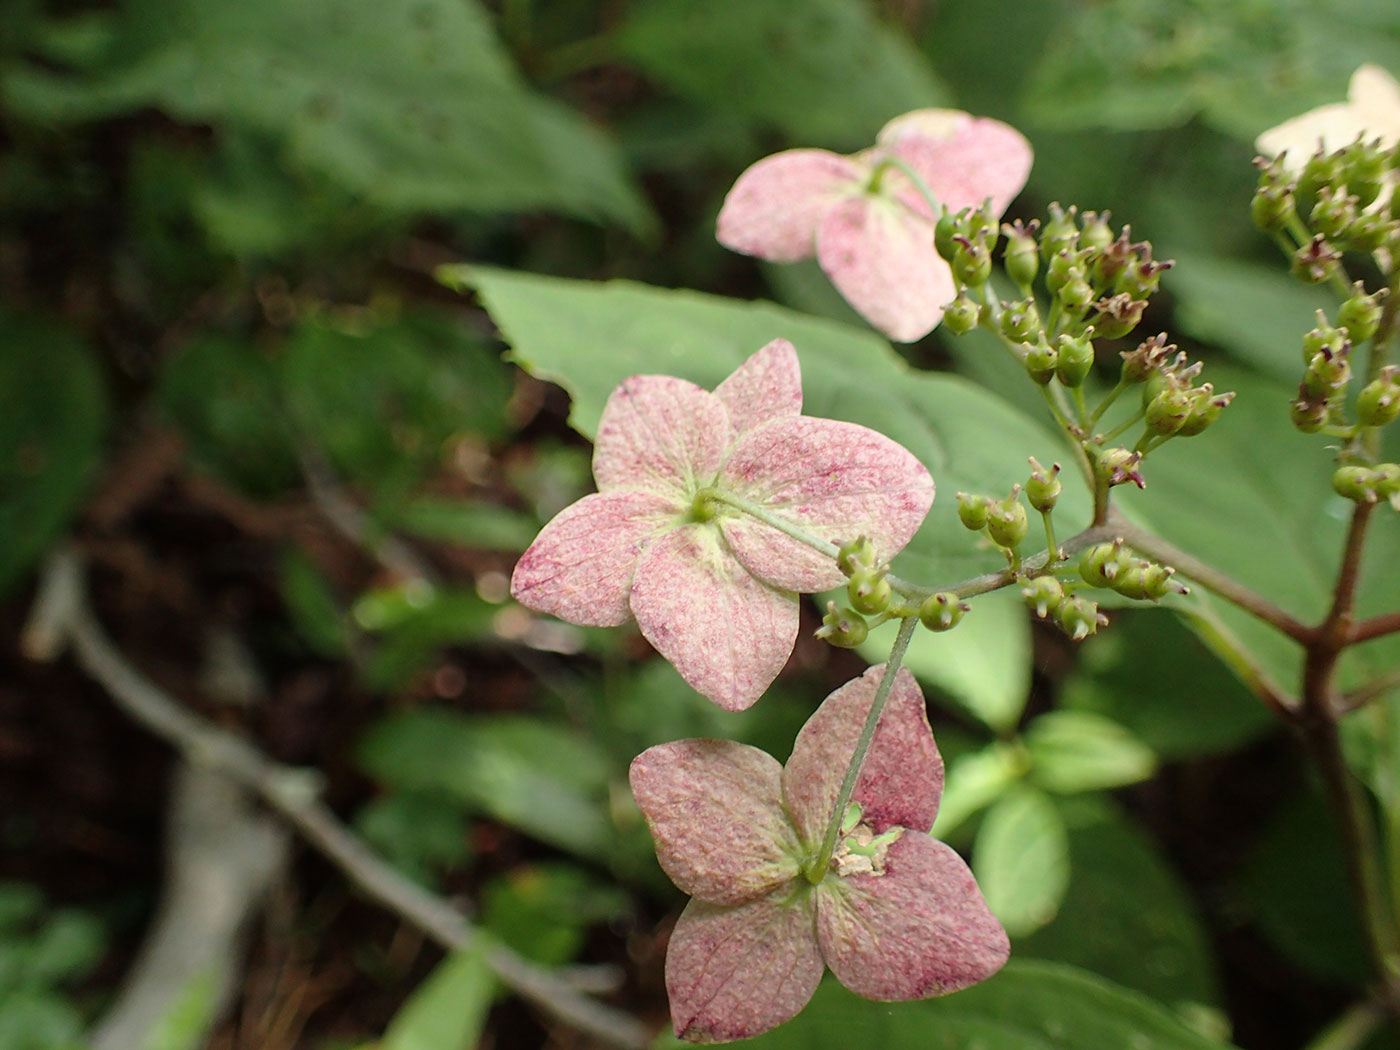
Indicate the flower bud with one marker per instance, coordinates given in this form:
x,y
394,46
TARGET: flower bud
x,y
1364,165
1043,594
1387,482
944,230
1147,359
1322,169
971,262
1309,414
1063,265
1076,293
962,314
1044,487
1356,483
1060,233
1146,581
1118,315
1141,281
1167,412
1323,337
1361,314
1022,256
1328,372
1206,406
1315,261
942,611
1080,617
1378,404
972,510
1096,232
1111,260
1007,522
1040,361
1119,465
1272,207
843,628
1019,321
856,555
1333,212
1100,565
1074,358
1367,232
869,591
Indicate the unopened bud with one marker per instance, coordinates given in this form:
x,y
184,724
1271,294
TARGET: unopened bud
x,y
962,314
1022,255
1119,465
1333,212
843,628
1147,359
856,555
1309,414
1142,280
1019,321
869,592
1361,314
1118,315
1356,483
1061,232
1044,487
1080,617
971,262
1328,372
1206,406
1101,564
1324,336
1043,594
944,230
1378,404
972,510
1040,361
1074,359
1167,412
1007,522
1272,207
942,611
1315,261
1096,232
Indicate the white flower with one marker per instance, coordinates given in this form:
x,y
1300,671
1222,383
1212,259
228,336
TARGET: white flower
x,y
1371,111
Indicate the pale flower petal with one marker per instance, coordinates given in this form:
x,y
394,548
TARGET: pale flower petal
x,y
733,972
773,208
766,386
1372,111
715,810
918,929
727,633
661,434
963,162
880,256
901,780
580,566
838,481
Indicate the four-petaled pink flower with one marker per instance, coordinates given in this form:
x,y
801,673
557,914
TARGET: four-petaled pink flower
x,y
869,227
897,914
714,590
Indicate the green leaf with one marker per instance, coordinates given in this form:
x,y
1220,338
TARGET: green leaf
x,y
1073,751
826,72
535,776
421,833
413,621
1029,1005
313,606
448,1009
50,437
589,336
474,524
974,781
1021,860
544,910
414,107
1126,915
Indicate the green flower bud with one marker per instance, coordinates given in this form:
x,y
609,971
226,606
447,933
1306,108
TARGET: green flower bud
x,y
942,611
1147,360
1309,414
1007,522
1333,212
972,510
1118,315
1367,232
1387,482
1076,293
1061,232
1324,337
1074,358
1096,232
1206,406
1365,165
1063,266
1044,487
1100,565
1360,315
869,591
1356,483
1328,372
1146,581
1141,281
843,628
962,314
1119,465
856,555
1167,412
1272,207
1019,321
1315,261
1043,594
944,230
1378,404
1040,361
1022,255
1079,617
971,262
1111,260
1322,169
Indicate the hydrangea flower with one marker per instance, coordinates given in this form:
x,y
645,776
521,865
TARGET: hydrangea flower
x,y
1371,111
897,915
714,590
869,227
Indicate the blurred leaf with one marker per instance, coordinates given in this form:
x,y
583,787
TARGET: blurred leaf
x,y
826,72
314,608
589,336
544,910
540,778
1021,860
415,107
1150,674
1245,64
974,781
984,665
19,902
33,1020
448,1010
67,946
50,437
1126,915
1029,1005
474,524
421,833
412,622
1073,751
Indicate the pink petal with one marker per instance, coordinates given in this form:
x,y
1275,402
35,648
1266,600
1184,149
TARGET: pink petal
x,y
773,208
733,972
715,809
963,162
901,779
766,386
661,434
919,929
725,632
880,256
580,566
836,480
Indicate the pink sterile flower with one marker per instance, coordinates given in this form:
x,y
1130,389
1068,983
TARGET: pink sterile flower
x,y
713,589
869,227
897,914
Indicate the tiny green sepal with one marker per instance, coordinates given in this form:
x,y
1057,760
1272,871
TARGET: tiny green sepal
x,y
1079,617
942,611
1043,594
843,628
1043,488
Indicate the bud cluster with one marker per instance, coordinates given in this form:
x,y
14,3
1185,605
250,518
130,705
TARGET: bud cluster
x,y
1363,484
1114,567
1327,354
1005,521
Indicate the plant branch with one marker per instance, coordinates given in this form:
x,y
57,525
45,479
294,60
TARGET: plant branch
x,y
1364,694
1375,627
62,618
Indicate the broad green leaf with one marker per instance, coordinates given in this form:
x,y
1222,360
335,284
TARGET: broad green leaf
x,y
413,107
413,621
474,524
541,778
1021,860
984,664
1029,1005
448,1010
1073,751
1126,915
826,72
1149,673
589,336
318,614
420,832
50,436
543,911
974,781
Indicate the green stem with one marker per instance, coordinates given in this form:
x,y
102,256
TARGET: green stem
x,y
934,204
1050,536
1130,421
816,869
1104,405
